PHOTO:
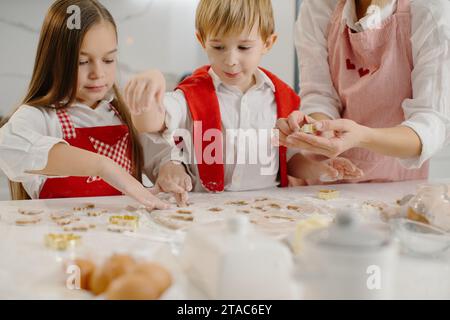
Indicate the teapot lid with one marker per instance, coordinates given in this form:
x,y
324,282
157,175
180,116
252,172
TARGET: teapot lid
x,y
348,231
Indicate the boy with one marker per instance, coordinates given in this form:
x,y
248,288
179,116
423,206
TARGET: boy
x,y
223,105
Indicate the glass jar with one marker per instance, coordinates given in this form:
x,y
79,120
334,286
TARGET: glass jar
x,y
431,205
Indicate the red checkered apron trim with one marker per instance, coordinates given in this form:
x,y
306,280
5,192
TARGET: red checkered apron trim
x,y
117,152
68,129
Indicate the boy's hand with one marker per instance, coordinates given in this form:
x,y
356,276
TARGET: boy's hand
x,y
117,177
289,126
145,92
174,179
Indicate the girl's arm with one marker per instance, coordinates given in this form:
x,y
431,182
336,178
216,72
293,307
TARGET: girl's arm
x,y
65,160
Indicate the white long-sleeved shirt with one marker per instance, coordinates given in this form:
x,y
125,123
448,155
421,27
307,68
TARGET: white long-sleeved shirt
x,y
428,112
252,112
27,138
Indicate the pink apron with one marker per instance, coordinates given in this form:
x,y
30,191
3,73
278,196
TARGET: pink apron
x,y
371,71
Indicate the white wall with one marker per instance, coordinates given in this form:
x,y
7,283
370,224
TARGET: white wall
x,y
152,34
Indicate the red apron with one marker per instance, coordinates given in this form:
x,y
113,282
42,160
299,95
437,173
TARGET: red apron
x,y
203,105
111,141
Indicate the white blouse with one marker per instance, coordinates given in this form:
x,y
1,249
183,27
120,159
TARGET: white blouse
x,y
428,112
27,138
256,109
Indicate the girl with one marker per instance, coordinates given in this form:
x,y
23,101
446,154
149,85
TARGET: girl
x,y
376,73
73,137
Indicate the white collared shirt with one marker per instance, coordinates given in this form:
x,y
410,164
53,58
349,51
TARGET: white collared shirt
x,y
27,138
428,112
255,109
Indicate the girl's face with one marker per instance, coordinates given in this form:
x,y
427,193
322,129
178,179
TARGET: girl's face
x,y
97,64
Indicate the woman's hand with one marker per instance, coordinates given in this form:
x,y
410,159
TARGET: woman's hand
x,y
335,137
117,177
346,170
173,178
309,168
145,92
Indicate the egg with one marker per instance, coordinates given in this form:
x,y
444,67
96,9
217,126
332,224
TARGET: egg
x,y
116,266
158,274
133,286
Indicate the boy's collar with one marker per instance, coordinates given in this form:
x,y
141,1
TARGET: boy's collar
x,y
261,79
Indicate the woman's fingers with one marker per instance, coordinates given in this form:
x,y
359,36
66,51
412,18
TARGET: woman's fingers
x,y
328,173
333,125
298,142
296,182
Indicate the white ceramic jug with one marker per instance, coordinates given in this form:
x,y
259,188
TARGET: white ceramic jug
x,y
230,260
349,260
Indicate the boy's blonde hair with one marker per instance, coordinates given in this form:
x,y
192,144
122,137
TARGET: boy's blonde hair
x,y
219,18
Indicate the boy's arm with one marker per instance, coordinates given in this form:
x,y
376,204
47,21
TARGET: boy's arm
x,y
151,121
144,95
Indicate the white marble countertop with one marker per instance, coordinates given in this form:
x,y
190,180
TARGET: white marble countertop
x,y
29,270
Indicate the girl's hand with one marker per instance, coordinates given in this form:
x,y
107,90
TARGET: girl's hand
x,y
347,134
145,92
117,177
174,179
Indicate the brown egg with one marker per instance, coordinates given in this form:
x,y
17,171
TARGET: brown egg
x,y
114,267
132,286
158,274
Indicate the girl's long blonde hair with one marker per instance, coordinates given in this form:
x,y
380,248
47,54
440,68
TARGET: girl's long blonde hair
x,y
55,70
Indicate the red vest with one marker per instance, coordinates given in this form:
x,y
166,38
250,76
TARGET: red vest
x,y
203,104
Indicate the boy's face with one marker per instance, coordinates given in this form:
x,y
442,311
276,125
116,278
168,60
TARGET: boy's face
x,y
235,58
97,64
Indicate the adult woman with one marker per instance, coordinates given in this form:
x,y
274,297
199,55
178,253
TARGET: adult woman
x,y
376,76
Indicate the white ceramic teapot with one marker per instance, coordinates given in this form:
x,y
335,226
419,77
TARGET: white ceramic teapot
x,y
349,260
231,260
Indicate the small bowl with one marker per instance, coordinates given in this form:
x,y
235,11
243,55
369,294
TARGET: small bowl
x,y
421,239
